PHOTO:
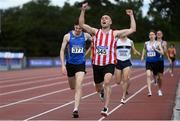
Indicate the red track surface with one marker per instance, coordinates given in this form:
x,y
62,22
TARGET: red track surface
x,y
44,94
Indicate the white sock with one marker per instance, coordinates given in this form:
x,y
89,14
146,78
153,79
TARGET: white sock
x,y
75,109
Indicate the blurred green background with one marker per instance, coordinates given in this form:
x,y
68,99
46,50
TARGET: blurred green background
x,y
37,28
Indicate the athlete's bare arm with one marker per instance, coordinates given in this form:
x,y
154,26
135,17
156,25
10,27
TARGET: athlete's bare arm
x,y
143,53
82,24
89,38
88,50
63,46
134,49
125,32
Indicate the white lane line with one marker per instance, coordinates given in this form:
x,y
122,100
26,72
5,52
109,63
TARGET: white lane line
x,y
40,96
127,100
30,82
66,104
27,78
31,88
30,77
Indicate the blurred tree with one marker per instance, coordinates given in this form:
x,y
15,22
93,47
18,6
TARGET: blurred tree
x,y
38,27
165,15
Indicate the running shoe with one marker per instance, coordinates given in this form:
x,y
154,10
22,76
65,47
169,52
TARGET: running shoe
x,y
122,101
160,93
104,112
149,94
101,95
75,114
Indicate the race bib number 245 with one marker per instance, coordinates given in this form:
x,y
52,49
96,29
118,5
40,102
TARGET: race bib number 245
x,y
101,50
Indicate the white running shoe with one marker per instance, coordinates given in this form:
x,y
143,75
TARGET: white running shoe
x,y
122,101
160,93
104,112
149,94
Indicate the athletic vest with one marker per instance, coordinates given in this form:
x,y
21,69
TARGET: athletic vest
x,y
104,47
151,55
76,49
161,57
123,49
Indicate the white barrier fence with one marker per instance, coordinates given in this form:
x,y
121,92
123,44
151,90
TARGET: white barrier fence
x,y
11,60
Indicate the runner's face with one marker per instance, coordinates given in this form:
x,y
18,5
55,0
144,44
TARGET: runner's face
x,y
123,37
159,34
77,29
106,21
152,36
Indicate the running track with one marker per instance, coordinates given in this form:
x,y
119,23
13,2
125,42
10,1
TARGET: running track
x,y
44,94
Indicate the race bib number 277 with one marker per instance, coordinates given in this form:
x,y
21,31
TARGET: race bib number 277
x,y
77,50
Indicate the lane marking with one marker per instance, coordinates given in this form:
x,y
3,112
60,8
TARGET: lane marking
x,y
40,96
32,81
13,79
29,82
53,109
26,78
120,105
66,104
32,88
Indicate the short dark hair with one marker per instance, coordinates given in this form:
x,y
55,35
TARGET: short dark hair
x,y
152,31
76,22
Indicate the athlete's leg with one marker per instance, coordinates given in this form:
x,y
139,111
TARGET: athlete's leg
x,y
118,76
99,87
171,65
107,88
172,68
98,78
78,88
72,82
148,74
125,83
160,76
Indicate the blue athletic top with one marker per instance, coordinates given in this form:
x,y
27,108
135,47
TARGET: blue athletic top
x,y
151,54
76,49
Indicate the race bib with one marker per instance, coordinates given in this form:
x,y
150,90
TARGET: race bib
x,y
151,54
77,50
123,53
101,50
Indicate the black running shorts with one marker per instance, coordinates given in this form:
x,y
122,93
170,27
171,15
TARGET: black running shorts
x,y
152,66
72,69
123,64
100,71
160,66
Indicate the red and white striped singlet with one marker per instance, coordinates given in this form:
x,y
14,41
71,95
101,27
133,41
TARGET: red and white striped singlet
x,y
104,48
